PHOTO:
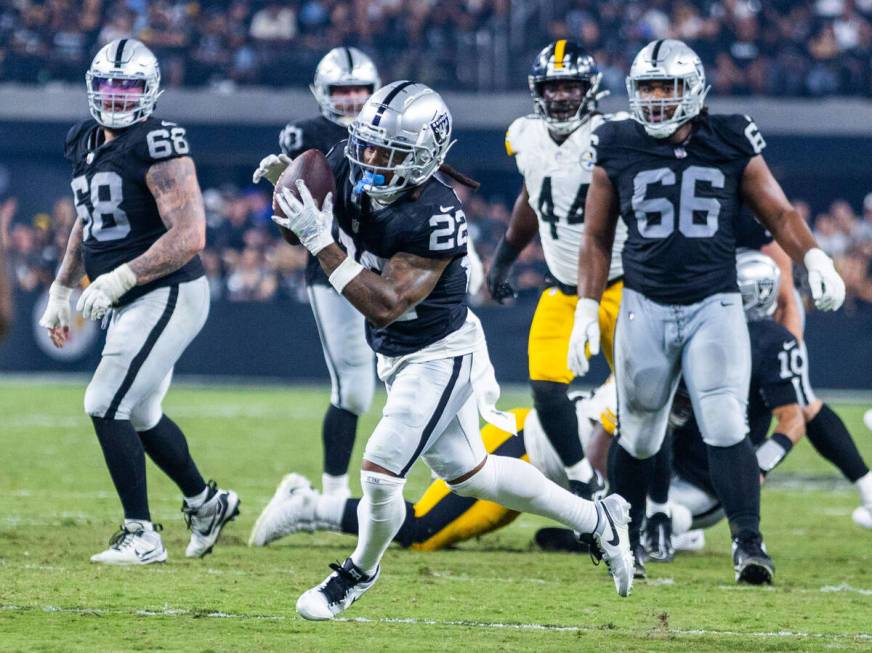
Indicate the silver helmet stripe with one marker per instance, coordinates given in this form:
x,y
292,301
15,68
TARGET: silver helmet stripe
x,y
376,119
119,53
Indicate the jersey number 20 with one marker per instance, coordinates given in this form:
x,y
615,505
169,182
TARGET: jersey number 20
x,y
106,220
689,204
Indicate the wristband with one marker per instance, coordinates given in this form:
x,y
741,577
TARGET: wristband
x,y
59,291
505,254
771,453
344,273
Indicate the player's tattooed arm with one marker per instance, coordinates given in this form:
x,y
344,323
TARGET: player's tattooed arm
x,y
176,191
405,281
600,221
73,266
767,200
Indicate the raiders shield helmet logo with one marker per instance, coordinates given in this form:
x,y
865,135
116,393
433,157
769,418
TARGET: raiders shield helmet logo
x,y
440,125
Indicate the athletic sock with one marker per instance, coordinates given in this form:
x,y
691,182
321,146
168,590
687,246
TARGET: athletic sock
x,y
405,537
658,493
559,420
166,445
830,437
735,477
380,514
581,471
122,450
329,512
335,485
631,478
864,487
519,486
337,433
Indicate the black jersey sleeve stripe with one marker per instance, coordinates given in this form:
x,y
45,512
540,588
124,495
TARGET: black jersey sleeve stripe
x,y
119,53
376,119
437,414
350,60
656,51
141,356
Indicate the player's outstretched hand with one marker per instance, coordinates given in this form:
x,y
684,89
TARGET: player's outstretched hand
x,y
104,291
310,224
585,336
56,317
498,285
271,167
827,287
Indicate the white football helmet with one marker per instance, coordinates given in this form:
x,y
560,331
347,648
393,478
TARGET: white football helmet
x,y
123,83
410,124
759,279
674,62
343,67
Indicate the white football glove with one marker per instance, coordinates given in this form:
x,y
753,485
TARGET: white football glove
x,y
585,334
309,223
57,312
827,287
104,291
271,167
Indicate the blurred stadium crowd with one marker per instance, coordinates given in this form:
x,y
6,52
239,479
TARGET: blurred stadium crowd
x,y
246,259
771,47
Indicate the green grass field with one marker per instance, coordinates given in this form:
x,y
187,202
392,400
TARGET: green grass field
x,y
57,507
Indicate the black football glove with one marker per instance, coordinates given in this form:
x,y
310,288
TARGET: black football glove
x,y
497,277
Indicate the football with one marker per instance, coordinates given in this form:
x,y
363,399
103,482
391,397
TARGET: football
x,y
312,167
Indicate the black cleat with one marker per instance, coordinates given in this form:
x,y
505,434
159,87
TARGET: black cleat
x,y
658,538
594,489
639,562
560,539
751,562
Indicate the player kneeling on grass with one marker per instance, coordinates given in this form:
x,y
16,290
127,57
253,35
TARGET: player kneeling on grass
x,y
440,518
140,227
401,263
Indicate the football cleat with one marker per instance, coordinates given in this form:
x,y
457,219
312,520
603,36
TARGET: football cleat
x,y
862,516
343,587
594,489
136,543
658,538
751,562
690,541
562,539
291,510
639,570
207,521
612,539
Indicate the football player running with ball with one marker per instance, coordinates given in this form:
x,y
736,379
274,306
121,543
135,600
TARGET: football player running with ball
x,y
549,148
140,227
344,80
400,261
678,178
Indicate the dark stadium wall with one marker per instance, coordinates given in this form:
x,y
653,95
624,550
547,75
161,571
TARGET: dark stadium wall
x,y
278,340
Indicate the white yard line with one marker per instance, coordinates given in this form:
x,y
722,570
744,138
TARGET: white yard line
x,y
171,612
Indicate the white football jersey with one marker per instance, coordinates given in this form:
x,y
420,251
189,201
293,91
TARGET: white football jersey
x,y
557,178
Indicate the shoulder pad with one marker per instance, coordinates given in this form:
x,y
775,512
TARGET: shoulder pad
x,y
159,140
518,132
740,132
74,137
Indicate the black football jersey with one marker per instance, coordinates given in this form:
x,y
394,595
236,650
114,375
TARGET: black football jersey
x,y
427,222
119,213
776,375
680,203
750,233
297,137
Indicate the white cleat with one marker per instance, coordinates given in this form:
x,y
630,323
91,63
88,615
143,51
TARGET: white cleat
x,y
291,510
612,537
690,541
862,516
207,521
137,543
343,587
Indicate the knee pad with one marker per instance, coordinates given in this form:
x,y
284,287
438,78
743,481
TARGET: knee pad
x,y
640,448
721,419
97,400
358,387
146,416
481,485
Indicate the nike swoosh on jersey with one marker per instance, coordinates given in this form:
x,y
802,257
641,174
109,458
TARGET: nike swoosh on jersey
x,y
789,345
166,123
446,208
